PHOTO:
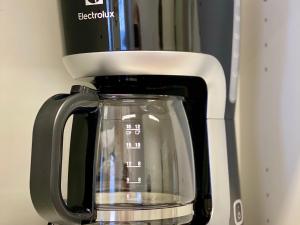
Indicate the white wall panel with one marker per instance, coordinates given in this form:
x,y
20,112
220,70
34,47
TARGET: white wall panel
x,y
270,111
31,71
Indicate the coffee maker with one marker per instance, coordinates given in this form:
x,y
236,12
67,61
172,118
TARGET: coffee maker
x,y
154,141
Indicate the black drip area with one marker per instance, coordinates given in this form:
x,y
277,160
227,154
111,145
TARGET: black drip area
x,y
191,88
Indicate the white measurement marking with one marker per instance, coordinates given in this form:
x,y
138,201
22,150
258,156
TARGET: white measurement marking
x,y
130,165
130,129
136,146
139,181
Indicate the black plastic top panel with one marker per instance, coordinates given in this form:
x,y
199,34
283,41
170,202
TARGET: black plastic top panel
x,y
126,25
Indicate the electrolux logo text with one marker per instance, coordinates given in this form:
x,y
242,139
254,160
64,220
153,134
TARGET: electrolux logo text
x,y
93,2
97,15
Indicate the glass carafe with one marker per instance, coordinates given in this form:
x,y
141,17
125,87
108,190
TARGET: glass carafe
x,y
131,160
144,159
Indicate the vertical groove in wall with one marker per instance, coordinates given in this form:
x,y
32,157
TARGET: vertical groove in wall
x,y
265,20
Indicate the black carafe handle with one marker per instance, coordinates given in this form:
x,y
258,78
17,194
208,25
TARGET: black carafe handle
x,y
46,159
